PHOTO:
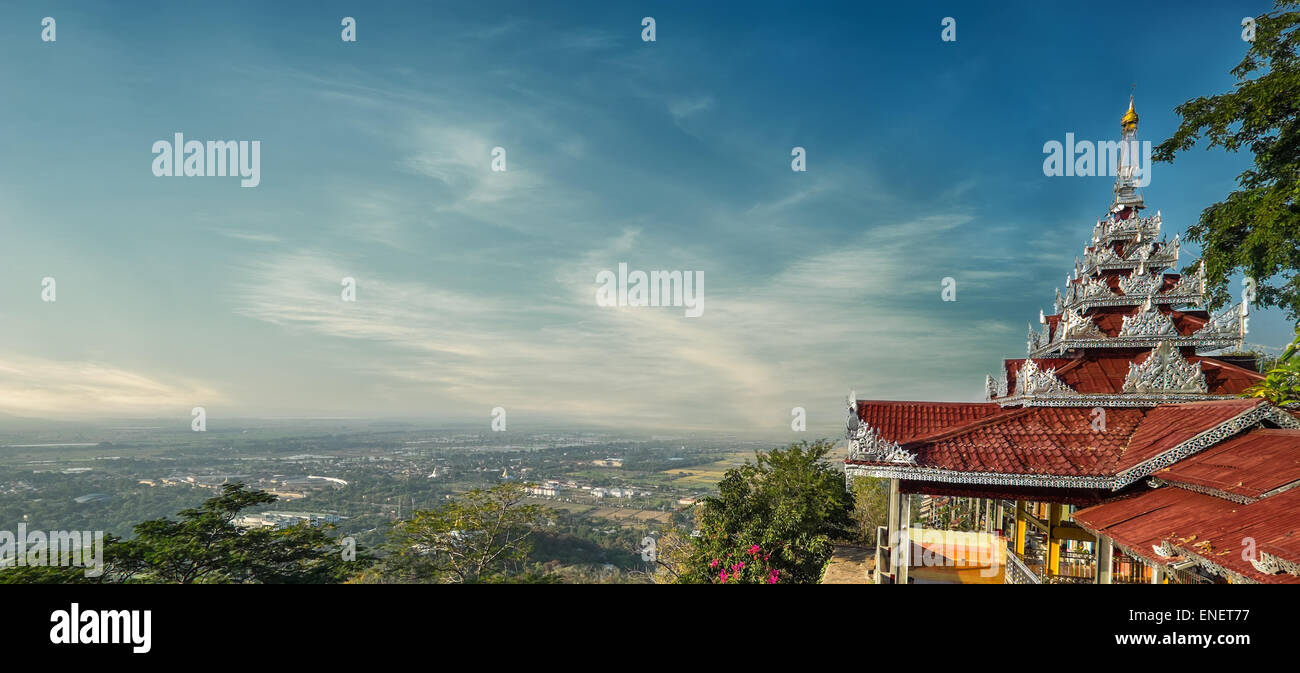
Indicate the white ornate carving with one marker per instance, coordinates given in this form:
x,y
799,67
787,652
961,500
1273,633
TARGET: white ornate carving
x,y
1165,371
990,388
1225,325
865,443
1148,321
1141,284
1074,325
1031,380
1002,383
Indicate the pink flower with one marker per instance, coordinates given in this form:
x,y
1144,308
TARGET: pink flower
x,y
773,577
753,550
722,575
738,567
713,563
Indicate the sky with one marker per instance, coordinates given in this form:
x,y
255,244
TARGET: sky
x,y
476,288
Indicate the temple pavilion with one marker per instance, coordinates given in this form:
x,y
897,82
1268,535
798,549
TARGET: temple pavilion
x,y
1119,449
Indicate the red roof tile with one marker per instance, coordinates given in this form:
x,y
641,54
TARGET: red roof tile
x,y
1057,441
1169,425
1212,528
1249,465
903,421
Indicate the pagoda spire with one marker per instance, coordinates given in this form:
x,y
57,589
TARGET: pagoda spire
x,y
1128,166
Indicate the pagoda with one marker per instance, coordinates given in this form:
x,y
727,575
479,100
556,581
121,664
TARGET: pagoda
x,y
1119,384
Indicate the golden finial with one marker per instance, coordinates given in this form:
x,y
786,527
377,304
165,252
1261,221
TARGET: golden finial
x,y
1130,118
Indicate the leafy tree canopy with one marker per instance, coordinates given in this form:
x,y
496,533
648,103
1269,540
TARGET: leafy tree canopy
x,y
484,536
1255,229
780,513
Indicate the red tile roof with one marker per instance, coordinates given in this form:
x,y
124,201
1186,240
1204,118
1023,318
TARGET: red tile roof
x,y
1249,465
1044,441
903,421
1057,441
1211,528
1169,425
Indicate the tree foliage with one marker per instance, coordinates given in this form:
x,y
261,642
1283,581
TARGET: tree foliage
x,y
788,502
1281,384
870,506
484,535
206,547
1255,229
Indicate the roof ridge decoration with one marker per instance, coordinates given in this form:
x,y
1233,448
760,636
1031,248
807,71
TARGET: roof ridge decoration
x,y
1031,380
1225,325
866,442
1165,371
1271,564
1074,325
1147,322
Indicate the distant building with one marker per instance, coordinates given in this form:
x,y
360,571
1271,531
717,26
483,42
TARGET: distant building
x,y
608,462
286,519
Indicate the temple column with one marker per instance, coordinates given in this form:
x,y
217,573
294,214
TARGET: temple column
x,y
1053,543
1157,574
997,518
893,527
904,537
1019,544
1104,559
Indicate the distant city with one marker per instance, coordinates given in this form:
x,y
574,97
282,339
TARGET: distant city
x,y
608,490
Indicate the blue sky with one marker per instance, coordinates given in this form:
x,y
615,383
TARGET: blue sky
x,y
476,289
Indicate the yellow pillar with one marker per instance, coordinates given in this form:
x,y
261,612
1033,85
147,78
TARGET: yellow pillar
x,y
1053,544
1020,528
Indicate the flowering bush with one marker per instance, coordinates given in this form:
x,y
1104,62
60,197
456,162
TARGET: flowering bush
x,y
749,566
774,521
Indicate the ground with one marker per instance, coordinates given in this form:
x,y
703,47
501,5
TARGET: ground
x,y
850,564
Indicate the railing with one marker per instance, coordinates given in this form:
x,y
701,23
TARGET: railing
x,y
1016,572
1076,565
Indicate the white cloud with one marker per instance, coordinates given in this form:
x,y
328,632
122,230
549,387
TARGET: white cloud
x,y
81,389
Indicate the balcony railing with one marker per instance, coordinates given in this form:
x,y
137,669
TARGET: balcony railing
x,y
1073,567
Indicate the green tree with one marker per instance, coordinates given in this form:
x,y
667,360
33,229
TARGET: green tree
x,y
481,536
789,503
870,506
1255,229
1281,384
206,547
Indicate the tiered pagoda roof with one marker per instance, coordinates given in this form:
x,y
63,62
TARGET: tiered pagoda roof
x,y
1119,382
1120,405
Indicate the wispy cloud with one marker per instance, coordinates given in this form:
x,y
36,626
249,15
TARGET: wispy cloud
x,y
80,389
